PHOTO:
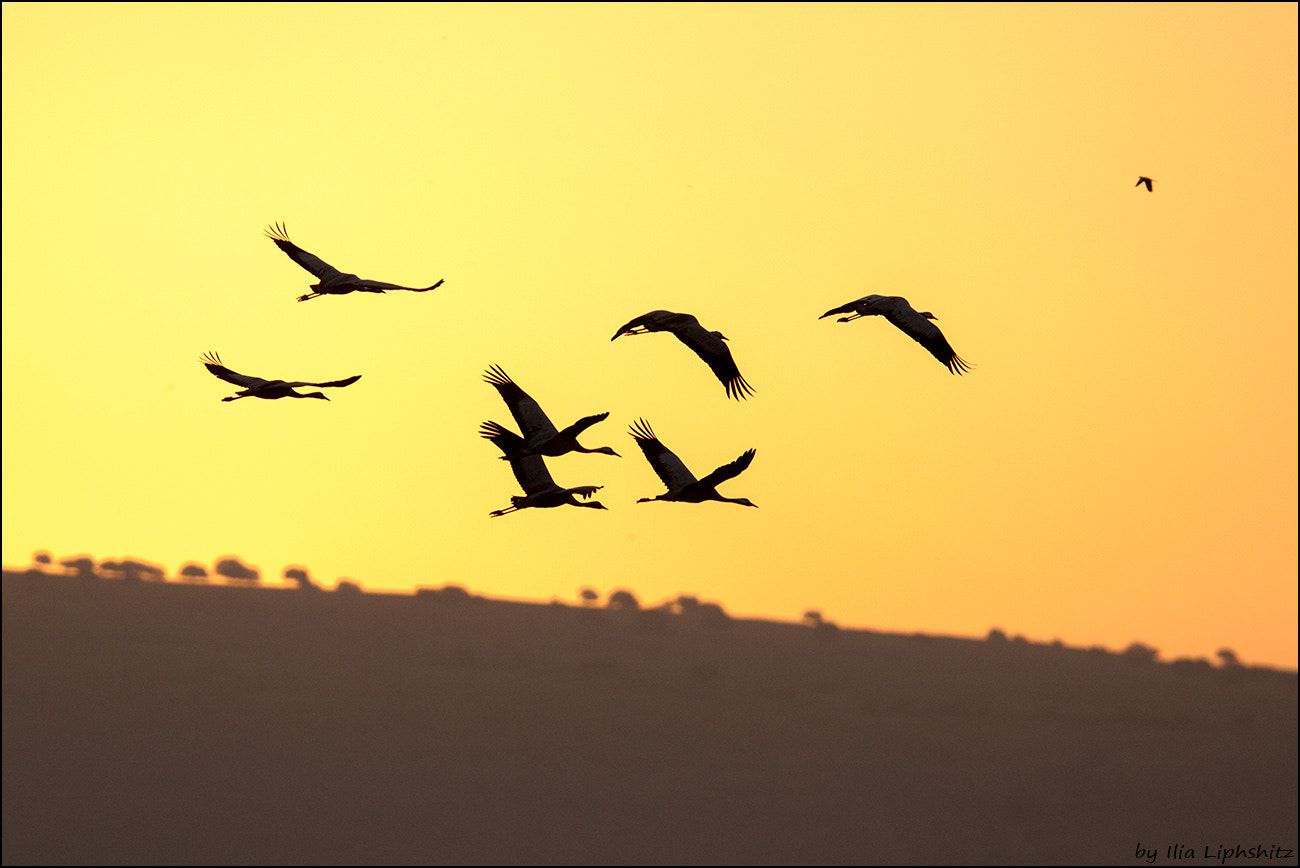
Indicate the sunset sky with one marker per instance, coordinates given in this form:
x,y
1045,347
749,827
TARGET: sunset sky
x,y
1120,465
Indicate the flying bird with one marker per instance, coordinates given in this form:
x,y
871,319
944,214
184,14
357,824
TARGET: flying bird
x,y
682,485
256,387
332,281
539,489
540,436
915,325
1145,180
706,344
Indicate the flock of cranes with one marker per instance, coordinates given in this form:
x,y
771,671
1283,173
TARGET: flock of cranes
x,y
538,438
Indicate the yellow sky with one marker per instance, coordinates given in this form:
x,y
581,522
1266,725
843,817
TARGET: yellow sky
x,y
1120,466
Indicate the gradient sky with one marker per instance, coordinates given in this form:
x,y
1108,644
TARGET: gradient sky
x,y
1120,466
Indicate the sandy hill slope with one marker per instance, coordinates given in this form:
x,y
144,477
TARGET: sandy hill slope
x,y
170,724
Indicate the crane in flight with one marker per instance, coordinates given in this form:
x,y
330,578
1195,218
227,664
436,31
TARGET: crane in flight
x,y
539,488
256,387
1145,180
916,326
682,485
707,345
540,436
332,281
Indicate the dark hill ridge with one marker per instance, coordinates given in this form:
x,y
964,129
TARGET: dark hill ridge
x,y
165,723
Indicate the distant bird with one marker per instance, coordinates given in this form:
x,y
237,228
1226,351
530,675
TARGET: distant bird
x,y
915,325
539,489
539,435
706,344
1145,180
256,387
682,485
332,281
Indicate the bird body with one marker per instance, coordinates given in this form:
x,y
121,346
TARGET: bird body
x,y
530,470
540,436
1145,180
915,325
707,345
332,281
682,485
256,387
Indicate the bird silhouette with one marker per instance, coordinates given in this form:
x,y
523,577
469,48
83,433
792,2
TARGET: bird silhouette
x,y
256,387
682,485
539,488
1145,180
332,281
706,344
915,325
540,436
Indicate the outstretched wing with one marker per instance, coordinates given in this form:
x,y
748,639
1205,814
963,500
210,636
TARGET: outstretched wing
x,y
212,362
727,471
655,321
851,307
506,440
584,423
317,266
348,382
928,335
712,348
530,470
380,286
530,418
667,466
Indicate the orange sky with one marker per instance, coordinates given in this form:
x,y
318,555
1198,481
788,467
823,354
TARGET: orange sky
x,y
1120,466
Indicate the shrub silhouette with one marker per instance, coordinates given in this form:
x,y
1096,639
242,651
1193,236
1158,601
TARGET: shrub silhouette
x,y
80,566
348,588
42,557
453,594
624,601
588,596
194,572
1139,653
302,577
236,570
996,637
1227,658
824,629
132,570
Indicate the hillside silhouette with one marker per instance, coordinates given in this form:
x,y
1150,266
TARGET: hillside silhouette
x,y
171,723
